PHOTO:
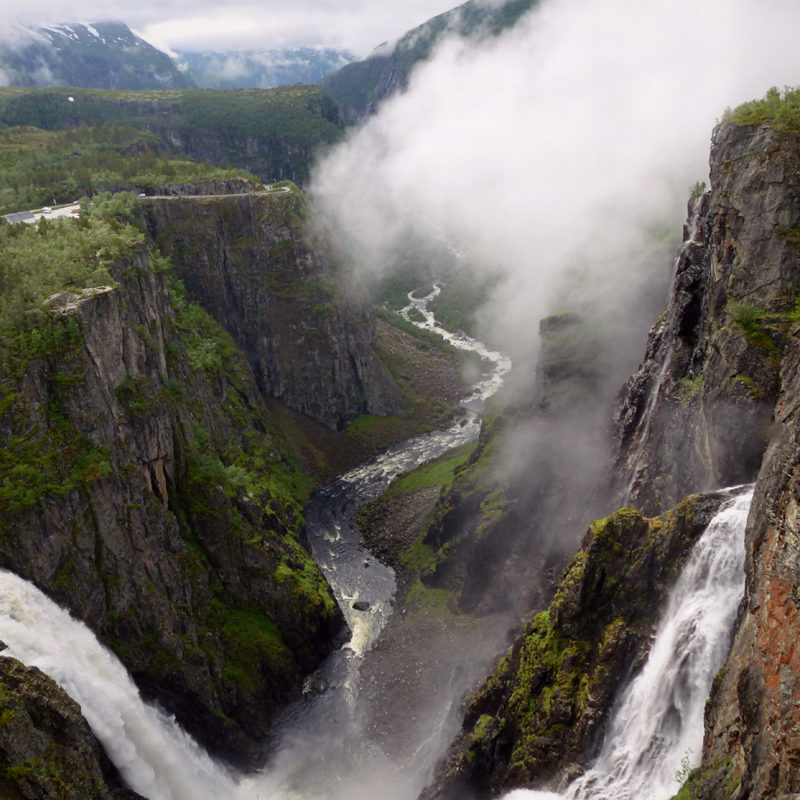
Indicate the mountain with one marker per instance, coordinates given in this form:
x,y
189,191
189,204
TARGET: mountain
x,y
105,55
261,69
714,403
360,87
274,133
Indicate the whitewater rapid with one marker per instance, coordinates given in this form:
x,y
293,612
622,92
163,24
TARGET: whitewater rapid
x,y
656,730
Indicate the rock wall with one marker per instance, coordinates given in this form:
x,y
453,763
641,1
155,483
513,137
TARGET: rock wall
x,y
752,744
715,403
143,489
697,413
250,263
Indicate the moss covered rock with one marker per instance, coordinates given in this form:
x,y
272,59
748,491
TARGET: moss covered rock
x,y
47,751
541,713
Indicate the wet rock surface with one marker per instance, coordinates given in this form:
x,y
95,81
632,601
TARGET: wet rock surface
x,y
47,751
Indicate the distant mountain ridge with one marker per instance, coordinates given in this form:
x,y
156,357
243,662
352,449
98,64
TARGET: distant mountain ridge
x,y
101,55
360,87
261,69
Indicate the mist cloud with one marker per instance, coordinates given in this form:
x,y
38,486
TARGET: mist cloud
x,y
549,155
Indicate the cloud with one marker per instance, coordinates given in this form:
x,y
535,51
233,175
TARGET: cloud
x,y
357,25
549,155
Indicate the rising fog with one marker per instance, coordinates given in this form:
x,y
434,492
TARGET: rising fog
x,y
556,154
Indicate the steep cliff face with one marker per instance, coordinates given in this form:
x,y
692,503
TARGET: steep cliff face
x,y
47,751
250,263
143,489
752,744
718,391
696,415
539,716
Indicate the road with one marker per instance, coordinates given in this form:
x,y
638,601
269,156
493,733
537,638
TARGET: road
x,y
73,209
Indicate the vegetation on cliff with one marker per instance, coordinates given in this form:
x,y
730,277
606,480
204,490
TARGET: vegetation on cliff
x,y
47,751
133,433
780,109
46,167
542,710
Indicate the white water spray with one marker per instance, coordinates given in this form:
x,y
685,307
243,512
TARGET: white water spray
x,y
658,725
155,757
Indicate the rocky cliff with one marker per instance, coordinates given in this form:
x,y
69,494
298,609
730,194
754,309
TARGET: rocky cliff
x,y
144,489
697,413
249,261
714,403
752,741
539,717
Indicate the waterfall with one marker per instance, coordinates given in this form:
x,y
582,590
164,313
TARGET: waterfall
x,y
155,757
657,727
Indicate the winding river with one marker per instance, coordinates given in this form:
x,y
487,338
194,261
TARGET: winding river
x,y
322,748
320,742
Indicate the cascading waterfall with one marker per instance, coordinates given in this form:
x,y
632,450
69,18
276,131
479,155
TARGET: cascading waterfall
x,y
657,727
155,757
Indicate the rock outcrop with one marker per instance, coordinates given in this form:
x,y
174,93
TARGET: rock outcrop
x,y
143,488
47,751
538,718
250,263
697,413
503,523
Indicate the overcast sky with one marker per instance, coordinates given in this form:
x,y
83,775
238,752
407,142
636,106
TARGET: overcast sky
x,y
356,25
